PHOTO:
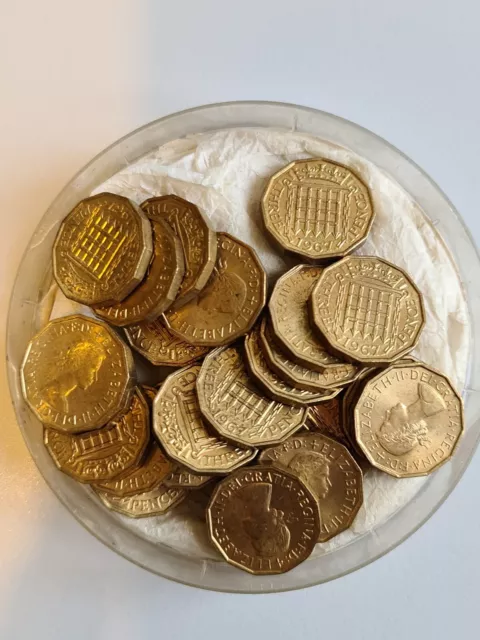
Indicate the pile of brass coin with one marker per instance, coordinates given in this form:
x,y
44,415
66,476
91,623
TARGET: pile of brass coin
x,y
270,410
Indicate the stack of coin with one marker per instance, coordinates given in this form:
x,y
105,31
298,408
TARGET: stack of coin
x,y
268,418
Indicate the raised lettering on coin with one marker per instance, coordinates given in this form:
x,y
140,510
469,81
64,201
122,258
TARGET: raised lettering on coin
x,y
263,520
408,420
198,241
159,345
106,453
77,374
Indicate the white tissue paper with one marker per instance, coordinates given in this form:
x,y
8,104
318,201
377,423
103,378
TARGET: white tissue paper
x,y
224,173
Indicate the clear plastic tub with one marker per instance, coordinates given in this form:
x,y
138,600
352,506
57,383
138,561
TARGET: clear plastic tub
x,y
26,314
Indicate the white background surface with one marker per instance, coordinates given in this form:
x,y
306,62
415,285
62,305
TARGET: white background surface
x,y
75,77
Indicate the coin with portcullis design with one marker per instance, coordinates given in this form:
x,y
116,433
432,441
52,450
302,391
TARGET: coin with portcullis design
x,y
368,310
102,250
318,209
181,430
106,453
236,408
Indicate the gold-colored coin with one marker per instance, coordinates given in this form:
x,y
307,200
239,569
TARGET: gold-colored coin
x,y
299,376
152,471
159,345
144,505
408,420
326,418
318,209
290,321
106,453
270,383
102,250
158,289
236,408
184,478
263,520
179,426
77,374
331,473
198,240
230,303
368,310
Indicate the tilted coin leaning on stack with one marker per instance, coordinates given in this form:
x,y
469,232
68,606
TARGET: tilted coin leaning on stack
x,y
269,413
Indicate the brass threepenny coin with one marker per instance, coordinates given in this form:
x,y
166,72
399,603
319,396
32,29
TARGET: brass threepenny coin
x,y
154,469
102,250
317,208
77,374
290,321
198,241
263,520
270,383
108,452
158,289
408,420
302,377
368,310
